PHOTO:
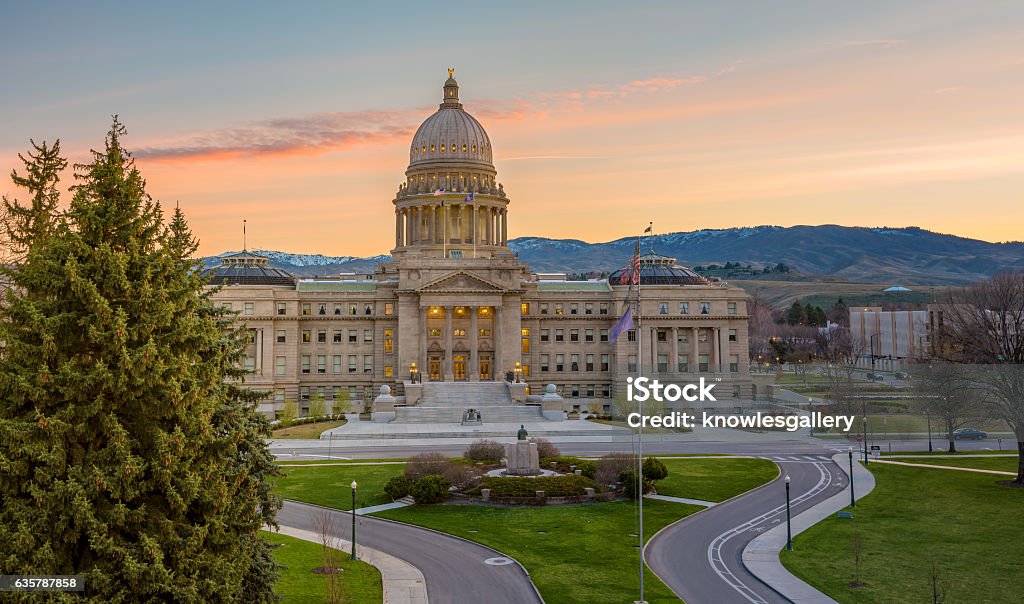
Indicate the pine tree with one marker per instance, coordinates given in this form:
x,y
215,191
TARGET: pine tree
x,y
130,452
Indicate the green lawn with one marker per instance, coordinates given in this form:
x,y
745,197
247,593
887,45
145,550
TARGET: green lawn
x,y
306,431
714,479
300,585
574,553
330,485
1002,464
965,522
320,462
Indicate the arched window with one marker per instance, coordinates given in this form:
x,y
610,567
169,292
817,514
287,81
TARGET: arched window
x,y
431,148
463,147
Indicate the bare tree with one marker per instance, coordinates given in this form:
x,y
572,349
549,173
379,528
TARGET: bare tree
x,y
948,391
857,547
937,584
983,325
323,523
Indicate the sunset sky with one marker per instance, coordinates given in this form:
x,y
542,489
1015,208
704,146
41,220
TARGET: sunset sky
x,y
603,115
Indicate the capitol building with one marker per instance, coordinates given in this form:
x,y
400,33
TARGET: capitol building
x,y
455,305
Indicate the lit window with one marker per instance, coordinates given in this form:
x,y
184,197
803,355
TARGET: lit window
x,y
432,148
463,148
389,308
307,336
424,148
474,148
307,309
388,371
442,148
525,308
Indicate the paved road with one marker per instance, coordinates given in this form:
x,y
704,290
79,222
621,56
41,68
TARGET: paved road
x,y
699,558
456,571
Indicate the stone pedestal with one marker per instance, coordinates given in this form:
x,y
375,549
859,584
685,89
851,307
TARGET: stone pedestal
x,y
552,404
383,406
523,459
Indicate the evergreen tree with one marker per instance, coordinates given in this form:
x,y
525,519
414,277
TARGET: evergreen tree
x,y
25,224
129,451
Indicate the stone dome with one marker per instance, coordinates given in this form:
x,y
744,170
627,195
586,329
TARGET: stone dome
x,y
450,135
245,268
656,269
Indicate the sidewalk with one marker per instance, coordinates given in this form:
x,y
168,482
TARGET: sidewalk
x,y
403,582
761,556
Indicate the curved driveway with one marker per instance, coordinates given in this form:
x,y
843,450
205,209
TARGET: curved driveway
x,y
455,570
699,557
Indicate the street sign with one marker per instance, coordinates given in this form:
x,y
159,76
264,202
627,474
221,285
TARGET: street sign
x,y
876,450
860,438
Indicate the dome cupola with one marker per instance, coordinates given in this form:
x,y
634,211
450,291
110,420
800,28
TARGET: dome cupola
x,y
450,136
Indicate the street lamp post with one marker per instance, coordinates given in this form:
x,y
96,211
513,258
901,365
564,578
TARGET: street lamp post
x,y
853,500
929,413
518,372
413,372
789,528
354,519
865,439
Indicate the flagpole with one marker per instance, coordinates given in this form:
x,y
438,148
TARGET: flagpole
x,y
640,409
444,227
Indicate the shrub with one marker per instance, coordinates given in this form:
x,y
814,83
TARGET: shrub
x,y
565,464
485,450
459,475
425,464
628,480
654,469
612,465
545,448
430,489
553,486
397,487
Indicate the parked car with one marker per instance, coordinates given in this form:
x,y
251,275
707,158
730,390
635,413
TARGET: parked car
x,y
969,433
902,376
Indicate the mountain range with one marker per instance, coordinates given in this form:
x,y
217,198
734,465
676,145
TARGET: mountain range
x,y
909,255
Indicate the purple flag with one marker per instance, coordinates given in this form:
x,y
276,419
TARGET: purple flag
x,y
625,323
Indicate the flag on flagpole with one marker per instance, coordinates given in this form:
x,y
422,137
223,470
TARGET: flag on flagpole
x,y
649,228
469,198
625,323
439,192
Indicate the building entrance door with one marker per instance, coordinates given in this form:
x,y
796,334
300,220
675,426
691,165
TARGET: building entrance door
x,y
459,367
434,364
485,367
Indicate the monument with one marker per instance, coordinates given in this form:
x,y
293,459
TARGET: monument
x,y
521,456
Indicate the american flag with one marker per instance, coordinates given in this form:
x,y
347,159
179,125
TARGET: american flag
x,y
632,274
439,192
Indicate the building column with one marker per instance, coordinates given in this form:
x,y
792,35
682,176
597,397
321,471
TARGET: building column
x,y
504,227
448,367
398,228
674,361
474,333
434,238
498,369
695,359
718,349
422,356
652,349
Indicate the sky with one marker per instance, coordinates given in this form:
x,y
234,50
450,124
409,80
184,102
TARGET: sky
x,y
603,116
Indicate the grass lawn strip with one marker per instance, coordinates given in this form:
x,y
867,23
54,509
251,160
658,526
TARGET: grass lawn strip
x,y
962,467
329,486
306,431
299,585
964,521
714,479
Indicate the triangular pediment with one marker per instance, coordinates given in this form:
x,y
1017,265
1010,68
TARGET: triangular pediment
x,y
458,282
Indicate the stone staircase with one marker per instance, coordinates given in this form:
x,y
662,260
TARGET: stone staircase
x,y
445,402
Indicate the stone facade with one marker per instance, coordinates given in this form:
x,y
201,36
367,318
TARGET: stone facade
x,y
455,304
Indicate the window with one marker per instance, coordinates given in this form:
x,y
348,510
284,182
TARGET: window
x,y
435,332
304,393
352,310
734,363
526,341
574,362
544,363
456,254
683,364
662,308
543,308
282,308
559,335
367,335
249,308
588,308
367,363
545,335
321,309
336,363
337,309
280,365
705,308
684,308
250,336
458,331
662,335
732,335
559,362
590,362
389,308
307,309
321,391
631,363
524,308
526,373
702,335
321,336
353,336
389,342
352,361
227,306
305,363
631,335
662,363
337,336
604,335
604,362
388,371
321,363
574,309
603,309
606,391
335,392
574,335
558,308
368,310
736,391
282,336
732,308
588,335
307,336
703,363
574,392
485,332
590,391
683,336
279,395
